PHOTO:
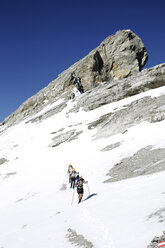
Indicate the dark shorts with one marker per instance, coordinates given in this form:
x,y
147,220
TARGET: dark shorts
x,y
80,190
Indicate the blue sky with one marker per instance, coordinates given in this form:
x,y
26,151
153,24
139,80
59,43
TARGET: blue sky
x,y
40,39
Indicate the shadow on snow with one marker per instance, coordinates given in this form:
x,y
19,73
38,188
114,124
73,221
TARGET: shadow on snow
x,y
90,196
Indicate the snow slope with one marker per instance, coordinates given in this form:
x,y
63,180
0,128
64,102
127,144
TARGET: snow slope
x,y
36,212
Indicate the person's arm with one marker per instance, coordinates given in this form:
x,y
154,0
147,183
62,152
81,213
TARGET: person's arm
x,y
76,183
85,182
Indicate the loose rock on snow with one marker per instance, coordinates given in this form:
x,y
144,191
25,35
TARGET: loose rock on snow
x,y
2,161
65,137
78,240
159,215
154,243
145,109
63,187
145,161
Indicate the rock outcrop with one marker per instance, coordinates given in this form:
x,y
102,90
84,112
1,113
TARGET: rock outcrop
x,y
117,57
156,240
108,92
141,163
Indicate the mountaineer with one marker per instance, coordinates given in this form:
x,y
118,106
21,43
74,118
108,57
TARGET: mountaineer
x,y
80,190
69,171
77,82
72,178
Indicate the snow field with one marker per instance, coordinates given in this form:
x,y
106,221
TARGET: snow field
x,y
36,213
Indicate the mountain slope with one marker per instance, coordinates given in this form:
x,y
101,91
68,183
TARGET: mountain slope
x,y
126,199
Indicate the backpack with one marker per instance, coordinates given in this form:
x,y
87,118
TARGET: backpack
x,y
80,183
73,175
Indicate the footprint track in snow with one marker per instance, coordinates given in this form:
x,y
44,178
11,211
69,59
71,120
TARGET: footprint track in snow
x,y
102,232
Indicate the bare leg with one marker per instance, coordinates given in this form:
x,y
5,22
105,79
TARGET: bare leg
x,y
80,196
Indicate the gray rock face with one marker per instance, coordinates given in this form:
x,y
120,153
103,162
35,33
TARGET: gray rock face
x,y
48,113
65,137
117,57
144,162
120,120
111,147
107,92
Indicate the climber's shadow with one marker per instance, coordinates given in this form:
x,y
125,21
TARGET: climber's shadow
x,y
90,196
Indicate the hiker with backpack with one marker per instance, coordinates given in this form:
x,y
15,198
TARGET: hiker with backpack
x,y
77,82
80,190
77,177
72,178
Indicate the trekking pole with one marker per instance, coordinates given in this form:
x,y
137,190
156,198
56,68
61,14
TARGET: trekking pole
x,y
67,183
66,178
88,188
73,196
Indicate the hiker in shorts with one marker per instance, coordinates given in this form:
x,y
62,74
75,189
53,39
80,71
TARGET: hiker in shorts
x,y
80,190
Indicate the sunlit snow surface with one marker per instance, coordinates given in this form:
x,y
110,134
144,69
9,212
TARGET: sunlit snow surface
x,y
35,213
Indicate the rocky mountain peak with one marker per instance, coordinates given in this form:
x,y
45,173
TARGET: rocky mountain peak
x,y
117,58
